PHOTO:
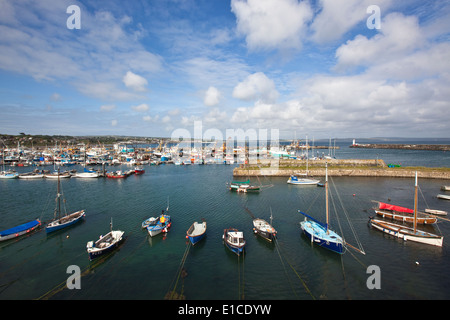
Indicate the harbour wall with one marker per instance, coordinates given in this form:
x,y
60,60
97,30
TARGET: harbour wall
x,y
340,168
432,147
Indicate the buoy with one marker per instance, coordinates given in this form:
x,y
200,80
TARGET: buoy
x,y
417,262
354,194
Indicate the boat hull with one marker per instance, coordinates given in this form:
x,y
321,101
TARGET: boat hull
x,y
302,181
65,221
95,252
406,233
158,227
264,229
318,235
405,217
443,196
19,230
196,232
237,248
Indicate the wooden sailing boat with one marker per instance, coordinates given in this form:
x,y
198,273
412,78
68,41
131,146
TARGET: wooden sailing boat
x,y
403,214
67,220
407,233
319,232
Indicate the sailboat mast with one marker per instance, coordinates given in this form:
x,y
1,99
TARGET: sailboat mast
x,y
415,205
58,197
326,192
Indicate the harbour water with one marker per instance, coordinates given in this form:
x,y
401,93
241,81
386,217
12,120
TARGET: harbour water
x,y
35,266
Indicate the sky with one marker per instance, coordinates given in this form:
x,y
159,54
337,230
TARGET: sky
x,y
319,68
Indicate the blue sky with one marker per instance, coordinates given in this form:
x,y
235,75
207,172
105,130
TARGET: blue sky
x,y
148,68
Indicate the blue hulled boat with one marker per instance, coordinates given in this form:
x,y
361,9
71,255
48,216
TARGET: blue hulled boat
x,y
196,232
59,222
234,240
105,243
19,230
318,232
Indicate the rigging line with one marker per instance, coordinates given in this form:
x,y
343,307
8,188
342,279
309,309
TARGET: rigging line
x,y
348,220
180,269
284,268
301,280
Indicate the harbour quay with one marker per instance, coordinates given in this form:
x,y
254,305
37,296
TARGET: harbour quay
x,y
336,168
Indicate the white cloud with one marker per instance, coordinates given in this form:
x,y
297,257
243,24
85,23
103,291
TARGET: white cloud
x,y
141,108
212,96
114,123
135,82
256,86
399,36
337,17
272,24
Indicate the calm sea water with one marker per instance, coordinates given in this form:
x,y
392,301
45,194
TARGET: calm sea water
x,y
35,266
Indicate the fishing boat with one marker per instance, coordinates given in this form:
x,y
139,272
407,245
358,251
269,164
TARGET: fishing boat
x,y
403,214
159,224
243,186
293,179
318,232
407,233
116,174
443,196
234,240
139,171
264,229
105,243
19,230
196,232
59,222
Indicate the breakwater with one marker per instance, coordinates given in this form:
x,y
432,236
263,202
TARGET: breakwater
x,y
339,168
431,147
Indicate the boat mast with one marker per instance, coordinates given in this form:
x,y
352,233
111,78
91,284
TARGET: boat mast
x,y
58,198
326,192
415,205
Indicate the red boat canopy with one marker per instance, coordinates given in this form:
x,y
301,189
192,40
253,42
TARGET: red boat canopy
x,y
386,206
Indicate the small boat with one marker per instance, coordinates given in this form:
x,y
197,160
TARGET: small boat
x,y
196,232
31,175
56,175
116,174
234,240
105,243
293,179
407,233
436,212
445,188
8,175
443,196
139,171
19,230
159,224
264,229
403,214
87,174
243,186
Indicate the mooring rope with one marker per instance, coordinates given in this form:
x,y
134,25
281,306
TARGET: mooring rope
x,y
179,271
296,273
